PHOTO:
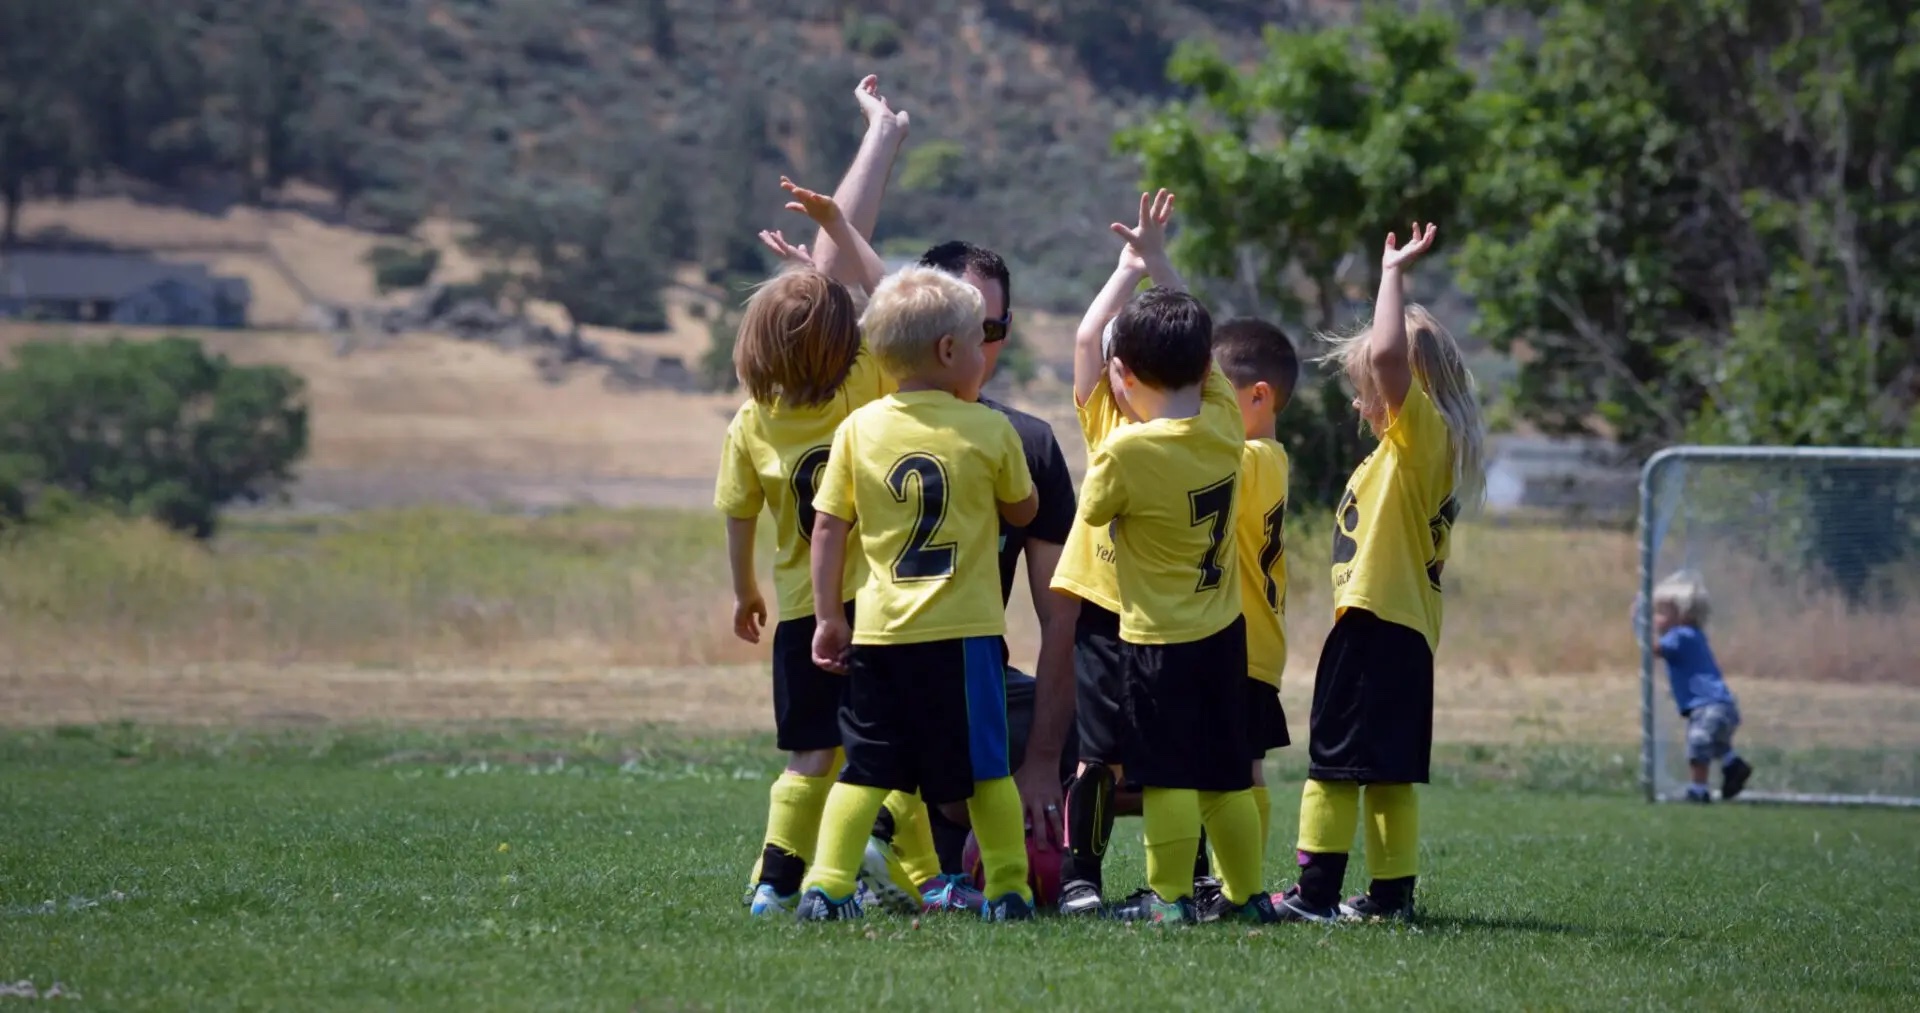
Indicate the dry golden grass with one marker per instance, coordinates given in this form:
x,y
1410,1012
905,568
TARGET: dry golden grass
x,y
608,619
425,405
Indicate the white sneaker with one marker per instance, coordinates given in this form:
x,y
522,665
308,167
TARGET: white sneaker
x,y
876,874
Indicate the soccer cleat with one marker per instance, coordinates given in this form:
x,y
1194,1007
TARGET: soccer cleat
x,y
768,901
816,906
1147,906
877,876
1080,897
1698,793
1011,908
952,892
1364,908
1209,901
1258,910
1292,907
1733,778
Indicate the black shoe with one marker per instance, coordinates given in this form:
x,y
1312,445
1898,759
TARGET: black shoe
x,y
1701,797
1209,901
1147,906
1733,778
1364,908
1080,897
1259,910
1292,907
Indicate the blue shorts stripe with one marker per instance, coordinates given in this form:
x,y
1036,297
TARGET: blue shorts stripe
x,y
986,709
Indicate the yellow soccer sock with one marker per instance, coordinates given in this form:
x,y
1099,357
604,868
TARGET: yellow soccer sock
x,y
793,813
1263,801
1393,831
1172,830
999,826
1232,820
1328,811
913,841
844,828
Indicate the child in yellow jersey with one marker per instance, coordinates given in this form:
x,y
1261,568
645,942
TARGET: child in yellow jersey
x,y
1372,720
1166,487
799,355
1260,362
927,474
1086,571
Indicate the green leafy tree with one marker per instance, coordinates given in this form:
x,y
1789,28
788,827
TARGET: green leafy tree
x,y
1696,220
593,246
152,428
1291,169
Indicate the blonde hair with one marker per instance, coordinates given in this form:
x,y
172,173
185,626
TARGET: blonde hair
x,y
1441,370
1686,594
911,311
798,339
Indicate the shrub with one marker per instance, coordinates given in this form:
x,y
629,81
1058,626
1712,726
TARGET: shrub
x,y
396,267
874,35
157,429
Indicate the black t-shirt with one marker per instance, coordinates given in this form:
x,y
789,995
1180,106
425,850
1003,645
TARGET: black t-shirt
x,y
1050,479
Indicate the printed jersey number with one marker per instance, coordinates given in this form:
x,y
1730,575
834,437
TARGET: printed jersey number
x,y
920,558
1212,506
1346,521
1271,551
805,481
1439,526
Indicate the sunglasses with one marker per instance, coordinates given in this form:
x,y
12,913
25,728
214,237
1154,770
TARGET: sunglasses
x,y
995,331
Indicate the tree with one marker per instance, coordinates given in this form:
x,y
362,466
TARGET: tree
x,y
44,131
152,428
1288,169
594,247
1697,220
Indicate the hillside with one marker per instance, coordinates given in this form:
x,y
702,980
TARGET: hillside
x,y
659,125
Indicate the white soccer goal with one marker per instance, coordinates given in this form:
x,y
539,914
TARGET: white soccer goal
x,y
1811,558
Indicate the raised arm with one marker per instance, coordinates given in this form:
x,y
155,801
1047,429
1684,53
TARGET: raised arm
x,y
855,265
1387,350
1144,256
865,183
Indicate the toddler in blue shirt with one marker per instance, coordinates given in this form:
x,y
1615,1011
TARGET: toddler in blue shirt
x,y
1680,610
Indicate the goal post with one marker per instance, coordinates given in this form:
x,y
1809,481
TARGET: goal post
x,y
1811,560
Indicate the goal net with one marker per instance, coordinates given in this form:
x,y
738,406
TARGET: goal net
x,y
1811,561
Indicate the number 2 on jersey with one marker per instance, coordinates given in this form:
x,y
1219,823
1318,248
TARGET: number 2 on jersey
x,y
805,481
920,559
1212,506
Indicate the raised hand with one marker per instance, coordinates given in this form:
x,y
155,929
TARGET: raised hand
x,y
874,107
773,240
1418,243
817,206
1147,239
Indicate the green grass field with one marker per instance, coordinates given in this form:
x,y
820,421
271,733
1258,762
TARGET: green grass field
x,y
151,869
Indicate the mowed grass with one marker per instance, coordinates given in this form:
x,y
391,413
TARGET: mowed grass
x,y
152,870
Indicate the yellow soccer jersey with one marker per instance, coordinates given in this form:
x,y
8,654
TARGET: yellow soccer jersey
x,y
922,474
772,459
1086,567
1259,516
1392,528
1167,487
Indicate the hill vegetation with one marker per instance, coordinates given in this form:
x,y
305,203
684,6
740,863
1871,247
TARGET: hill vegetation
x,y
603,141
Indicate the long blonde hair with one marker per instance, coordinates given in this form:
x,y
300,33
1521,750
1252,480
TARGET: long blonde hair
x,y
1441,370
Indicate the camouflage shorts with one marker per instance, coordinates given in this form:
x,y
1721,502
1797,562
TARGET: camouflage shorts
x,y
1710,731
